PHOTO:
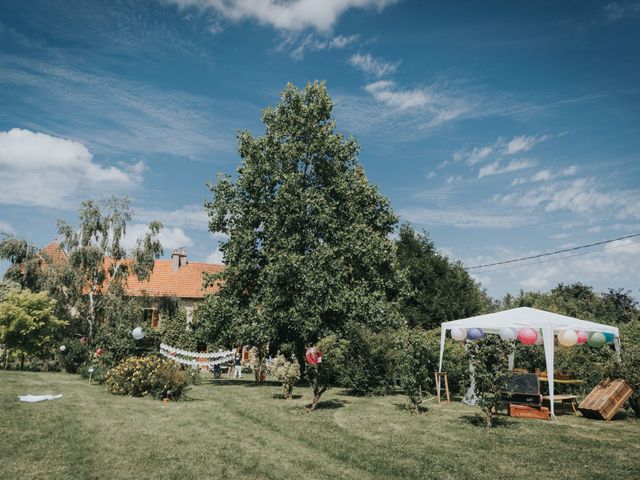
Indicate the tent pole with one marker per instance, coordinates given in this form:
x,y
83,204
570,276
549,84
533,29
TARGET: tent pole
x,y
443,336
547,336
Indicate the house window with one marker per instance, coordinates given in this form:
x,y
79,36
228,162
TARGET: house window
x,y
152,317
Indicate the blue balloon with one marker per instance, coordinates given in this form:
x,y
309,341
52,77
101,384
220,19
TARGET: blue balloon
x,y
609,337
475,333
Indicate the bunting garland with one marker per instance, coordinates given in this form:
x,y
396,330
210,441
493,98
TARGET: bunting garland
x,y
186,357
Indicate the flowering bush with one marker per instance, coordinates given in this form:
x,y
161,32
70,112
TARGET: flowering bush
x,y
287,372
151,376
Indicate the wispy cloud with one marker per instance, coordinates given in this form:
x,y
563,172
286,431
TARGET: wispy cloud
x,y
295,15
372,65
311,43
114,115
523,143
463,218
498,168
42,170
188,216
6,227
546,175
617,11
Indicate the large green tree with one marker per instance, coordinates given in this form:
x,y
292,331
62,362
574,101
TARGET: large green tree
x,y
308,247
441,290
28,323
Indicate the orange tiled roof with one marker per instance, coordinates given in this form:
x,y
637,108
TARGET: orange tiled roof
x,y
54,252
184,282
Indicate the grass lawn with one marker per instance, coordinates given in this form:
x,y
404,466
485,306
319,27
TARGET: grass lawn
x,y
242,430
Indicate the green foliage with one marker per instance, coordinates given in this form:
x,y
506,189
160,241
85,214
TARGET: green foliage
x,y
28,323
326,373
630,371
287,372
589,364
174,330
441,290
25,263
8,286
99,374
308,249
148,376
74,356
489,358
370,365
417,362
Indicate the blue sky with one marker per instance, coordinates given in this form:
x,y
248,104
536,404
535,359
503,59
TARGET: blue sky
x,y
504,130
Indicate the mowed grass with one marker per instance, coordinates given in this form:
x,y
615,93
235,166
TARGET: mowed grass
x,y
231,430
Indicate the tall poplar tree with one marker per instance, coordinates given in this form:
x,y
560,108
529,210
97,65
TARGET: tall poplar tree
x,y
308,247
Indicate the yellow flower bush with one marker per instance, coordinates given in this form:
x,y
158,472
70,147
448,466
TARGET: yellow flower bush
x,y
148,376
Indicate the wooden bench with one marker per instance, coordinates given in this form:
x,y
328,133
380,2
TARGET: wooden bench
x,y
572,399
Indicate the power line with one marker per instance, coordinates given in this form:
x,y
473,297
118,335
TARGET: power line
x,y
554,259
553,253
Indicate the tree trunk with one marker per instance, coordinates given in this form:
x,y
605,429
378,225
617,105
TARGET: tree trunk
x,y
21,360
316,398
288,392
6,359
489,419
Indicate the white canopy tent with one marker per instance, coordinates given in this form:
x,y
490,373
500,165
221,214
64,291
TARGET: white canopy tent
x,y
517,318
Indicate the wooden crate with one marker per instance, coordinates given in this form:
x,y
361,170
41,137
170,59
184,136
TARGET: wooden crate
x,y
524,411
604,401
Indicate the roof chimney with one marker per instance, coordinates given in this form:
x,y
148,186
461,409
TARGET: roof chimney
x,y
178,258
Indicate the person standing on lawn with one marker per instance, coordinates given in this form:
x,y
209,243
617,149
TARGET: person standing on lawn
x,y
237,373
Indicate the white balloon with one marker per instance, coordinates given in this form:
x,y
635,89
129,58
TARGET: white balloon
x,y
138,333
507,334
62,348
459,333
540,339
567,338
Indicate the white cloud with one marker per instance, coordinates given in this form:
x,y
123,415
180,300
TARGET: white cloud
x,y
523,143
463,219
169,237
616,11
188,216
496,167
546,175
292,15
5,227
215,257
42,170
310,43
373,66
431,174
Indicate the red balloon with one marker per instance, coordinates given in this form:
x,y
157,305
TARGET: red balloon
x,y
528,336
99,352
172,354
313,356
582,337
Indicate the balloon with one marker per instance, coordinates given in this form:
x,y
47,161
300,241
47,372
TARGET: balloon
x,y
313,356
528,336
567,338
137,333
596,339
475,333
582,337
507,334
609,337
99,352
62,348
540,339
459,334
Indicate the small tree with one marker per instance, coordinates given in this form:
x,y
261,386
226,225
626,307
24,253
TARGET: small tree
x,y
416,364
631,372
258,362
327,372
287,372
489,357
27,323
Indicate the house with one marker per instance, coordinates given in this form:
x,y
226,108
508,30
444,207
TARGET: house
x,y
175,277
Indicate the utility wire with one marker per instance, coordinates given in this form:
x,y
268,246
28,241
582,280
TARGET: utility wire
x,y
553,253
554,259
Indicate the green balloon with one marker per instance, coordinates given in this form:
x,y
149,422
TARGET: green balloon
x,y
596,339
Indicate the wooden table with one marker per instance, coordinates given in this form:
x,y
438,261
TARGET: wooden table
x,y
572,399
563,381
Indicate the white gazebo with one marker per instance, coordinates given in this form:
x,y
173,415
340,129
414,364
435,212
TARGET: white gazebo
x,y
525,317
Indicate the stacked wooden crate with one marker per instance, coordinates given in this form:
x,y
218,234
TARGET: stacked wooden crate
x,y
604,401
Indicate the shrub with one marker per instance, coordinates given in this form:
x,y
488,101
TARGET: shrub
x,y
370,366
287,372
586,363
74,356
417,360
327,372
489,357
258,362
99,374
148,376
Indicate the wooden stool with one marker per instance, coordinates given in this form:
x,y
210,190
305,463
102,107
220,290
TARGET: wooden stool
x,y
439,376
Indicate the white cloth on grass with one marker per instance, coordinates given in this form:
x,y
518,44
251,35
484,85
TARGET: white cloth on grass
x,y
38,398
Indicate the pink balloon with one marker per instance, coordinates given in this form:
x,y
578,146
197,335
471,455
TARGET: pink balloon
x,y
528,336
582,337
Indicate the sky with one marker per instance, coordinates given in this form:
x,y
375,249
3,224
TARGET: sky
x,y
502,129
